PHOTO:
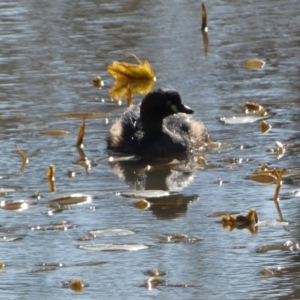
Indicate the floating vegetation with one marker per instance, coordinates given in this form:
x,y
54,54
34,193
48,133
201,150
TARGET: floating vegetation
x,y
71,173
62,225
79,142
90,264
271,223
85,114
121,70
114,247
264,127
153,282
44,267
219,214
2,265
177,238
142,204
97,82
110,232
51,178
137,87
25,160
69,200
155,272
287,246
55,132
11,238
251,107
280,150
264,178
144,194
241,221
76,285
16,205
204,28
242,119
254,63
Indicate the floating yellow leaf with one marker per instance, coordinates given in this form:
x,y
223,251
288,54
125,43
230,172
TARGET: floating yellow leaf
x,y
2,265
137,87
120,70
254,64
142,204
264,127
51,178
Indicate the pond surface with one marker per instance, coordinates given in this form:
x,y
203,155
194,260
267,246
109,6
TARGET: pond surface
x,y
50,53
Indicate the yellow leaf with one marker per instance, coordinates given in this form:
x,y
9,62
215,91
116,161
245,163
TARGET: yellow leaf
x,y
137,86
121,70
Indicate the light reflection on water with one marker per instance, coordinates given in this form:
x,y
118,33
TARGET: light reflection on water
x,y
50,52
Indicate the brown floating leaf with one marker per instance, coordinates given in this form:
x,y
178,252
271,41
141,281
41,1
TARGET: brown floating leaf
x,y
119,70
241,222
142,204
204,18
76,285
71,173
68,200
23,155
51,178
279,149
19,205
254,107
264,127
2,265
176,238
97,82
79,142
264,178
50,173
61,225
85,114
137,86
55,132
254,64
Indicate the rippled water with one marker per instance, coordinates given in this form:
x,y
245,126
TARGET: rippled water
x,y
50,52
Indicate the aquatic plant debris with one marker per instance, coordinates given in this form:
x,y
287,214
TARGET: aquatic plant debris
x,y
137,87
70,200
241,221
264,127
254,63
79,142
97,82
114,247
120,70
204,28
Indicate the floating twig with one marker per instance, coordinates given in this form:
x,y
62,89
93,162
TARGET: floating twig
x,y
79,142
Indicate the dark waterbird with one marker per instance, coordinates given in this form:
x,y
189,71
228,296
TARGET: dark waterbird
x,y
160,125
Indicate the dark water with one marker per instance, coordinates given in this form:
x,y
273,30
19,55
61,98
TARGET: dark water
x,y
51,50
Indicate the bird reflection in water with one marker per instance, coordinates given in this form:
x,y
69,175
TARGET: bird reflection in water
x,y
171,174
